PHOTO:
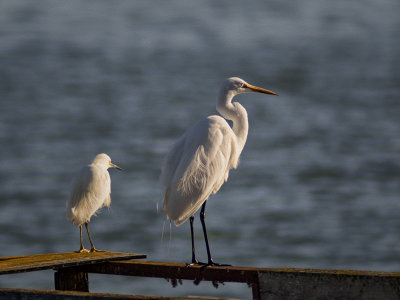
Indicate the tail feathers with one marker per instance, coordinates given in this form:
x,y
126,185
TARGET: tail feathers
x,y
166,197
74,215
107,201
179,209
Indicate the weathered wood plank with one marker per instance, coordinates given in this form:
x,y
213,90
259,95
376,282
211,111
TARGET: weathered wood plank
x,y
18,264
267,283
324,284
71,281
232,273
175,270
18,294
271,283
179,271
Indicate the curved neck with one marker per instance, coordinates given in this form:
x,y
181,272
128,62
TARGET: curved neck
x,y
236,113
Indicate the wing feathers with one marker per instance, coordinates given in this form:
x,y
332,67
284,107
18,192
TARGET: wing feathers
x,y
197,166
90,191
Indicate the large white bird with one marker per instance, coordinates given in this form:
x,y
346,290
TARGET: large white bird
x,y
200,160
91,190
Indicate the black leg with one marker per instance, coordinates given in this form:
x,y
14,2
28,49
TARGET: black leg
x,y
203,223
194,260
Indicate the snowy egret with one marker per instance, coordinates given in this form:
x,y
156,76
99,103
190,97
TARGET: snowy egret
x,y
200,160
91,190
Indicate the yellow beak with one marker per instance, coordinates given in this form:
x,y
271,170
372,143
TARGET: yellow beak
x,y
260,90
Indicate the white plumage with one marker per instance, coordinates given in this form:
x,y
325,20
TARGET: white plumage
x,y
199,162
197,166
91,190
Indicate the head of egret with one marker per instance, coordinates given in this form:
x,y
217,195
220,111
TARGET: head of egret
x,y
236,85
104,160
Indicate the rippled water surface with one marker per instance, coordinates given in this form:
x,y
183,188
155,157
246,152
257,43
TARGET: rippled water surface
x,y
318,183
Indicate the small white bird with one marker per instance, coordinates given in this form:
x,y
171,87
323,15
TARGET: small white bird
x,y
91,190
200,160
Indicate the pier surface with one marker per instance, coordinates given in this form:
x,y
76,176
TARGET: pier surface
x,y
72,281
36,262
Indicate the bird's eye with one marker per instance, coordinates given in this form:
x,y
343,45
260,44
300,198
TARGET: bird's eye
x,y
242,85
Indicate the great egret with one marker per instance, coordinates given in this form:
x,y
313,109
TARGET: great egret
x,y
199,162
91,190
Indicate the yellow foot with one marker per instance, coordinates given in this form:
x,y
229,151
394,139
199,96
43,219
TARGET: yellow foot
x,y
82,251
96,250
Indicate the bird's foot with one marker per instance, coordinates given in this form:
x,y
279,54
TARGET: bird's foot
x,y
96,250
195,263
217,264
203,264
82,250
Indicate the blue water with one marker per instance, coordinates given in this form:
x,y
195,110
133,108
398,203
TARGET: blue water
x,y
319,180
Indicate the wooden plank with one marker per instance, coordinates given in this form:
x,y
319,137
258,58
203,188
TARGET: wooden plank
x,y
179,271
18,294
324,284
26,263
270,283
175,271
71,281
232,273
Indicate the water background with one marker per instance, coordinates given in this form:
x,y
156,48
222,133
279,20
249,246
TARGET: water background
x,y
319,180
